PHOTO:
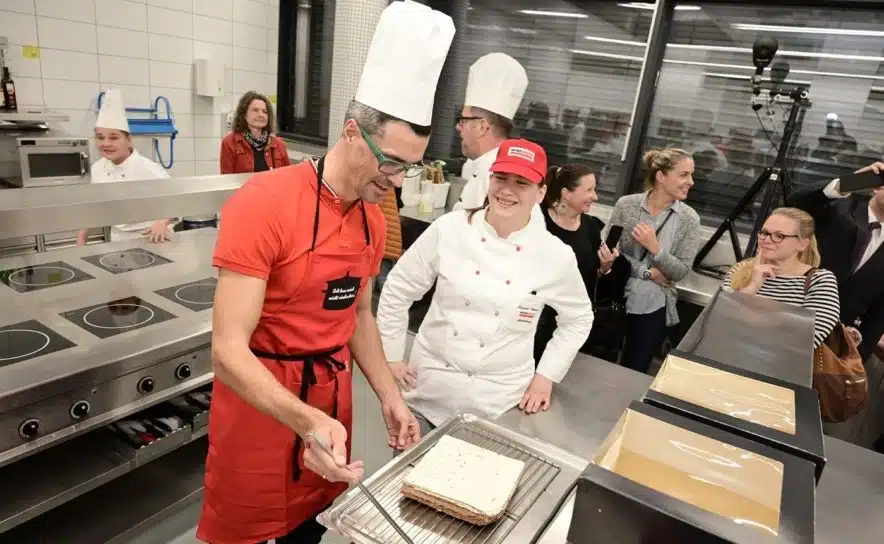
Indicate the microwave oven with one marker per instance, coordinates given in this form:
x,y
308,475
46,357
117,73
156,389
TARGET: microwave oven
x,y
48,161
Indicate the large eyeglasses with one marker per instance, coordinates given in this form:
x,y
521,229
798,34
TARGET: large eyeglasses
x,y
776,237
390,167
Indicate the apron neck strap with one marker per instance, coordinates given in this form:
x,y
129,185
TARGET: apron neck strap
x,y
320,168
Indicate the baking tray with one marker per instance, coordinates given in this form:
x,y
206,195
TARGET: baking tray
x,y
549,475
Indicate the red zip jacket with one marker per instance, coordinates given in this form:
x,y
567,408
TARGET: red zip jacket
x,y
237,156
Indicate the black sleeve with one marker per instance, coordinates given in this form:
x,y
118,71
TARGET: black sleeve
x,y
872,327
811,199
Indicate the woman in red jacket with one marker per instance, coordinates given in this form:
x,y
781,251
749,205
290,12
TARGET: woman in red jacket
x,y
252,146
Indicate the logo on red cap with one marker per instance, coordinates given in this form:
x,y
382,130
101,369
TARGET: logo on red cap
x,y
521,153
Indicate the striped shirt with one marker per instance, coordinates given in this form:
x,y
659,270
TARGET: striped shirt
x,y
822,298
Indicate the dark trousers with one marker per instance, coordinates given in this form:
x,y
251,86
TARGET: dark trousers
x,y
645,334
309,532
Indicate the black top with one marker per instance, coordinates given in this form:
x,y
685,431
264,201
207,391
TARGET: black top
x,y
260,160
585,241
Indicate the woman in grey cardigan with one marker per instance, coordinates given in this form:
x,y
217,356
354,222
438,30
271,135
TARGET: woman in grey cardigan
x,y
660,239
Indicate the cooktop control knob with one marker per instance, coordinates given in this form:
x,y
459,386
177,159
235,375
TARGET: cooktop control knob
x,y
146,385
183,371
80,409
29,429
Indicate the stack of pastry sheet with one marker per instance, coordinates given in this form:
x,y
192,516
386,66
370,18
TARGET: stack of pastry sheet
x,y
465,481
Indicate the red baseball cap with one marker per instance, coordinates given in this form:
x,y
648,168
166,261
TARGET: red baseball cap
x,y
522,158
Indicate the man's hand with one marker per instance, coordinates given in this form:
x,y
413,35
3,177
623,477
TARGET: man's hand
x,y
538,395
333,468
405,376
644,234
402,427
876,167
158,232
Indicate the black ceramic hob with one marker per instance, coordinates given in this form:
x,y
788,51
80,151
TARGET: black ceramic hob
x,y
117,262
29,339
196,295
117,317
42,276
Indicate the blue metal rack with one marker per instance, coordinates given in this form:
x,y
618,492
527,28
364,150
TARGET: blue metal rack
x,y
153,125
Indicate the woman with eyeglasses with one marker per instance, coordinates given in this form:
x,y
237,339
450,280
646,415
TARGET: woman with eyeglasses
x,y
787,258
495,267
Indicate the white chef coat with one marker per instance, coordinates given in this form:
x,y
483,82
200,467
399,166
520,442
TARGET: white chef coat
x,y
474,351
477,174
135,167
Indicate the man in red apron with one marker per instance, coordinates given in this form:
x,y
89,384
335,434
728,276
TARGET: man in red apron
x,y
296,252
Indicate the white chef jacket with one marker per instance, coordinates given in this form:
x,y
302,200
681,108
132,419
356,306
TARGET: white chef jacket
x,y
474,352
135,167
477,174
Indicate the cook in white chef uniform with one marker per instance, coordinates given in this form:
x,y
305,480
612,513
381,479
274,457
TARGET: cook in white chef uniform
x,y
495,269
120,161
495,88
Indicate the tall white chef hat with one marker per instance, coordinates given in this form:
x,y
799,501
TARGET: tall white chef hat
x,y
405,60
112,113
497,84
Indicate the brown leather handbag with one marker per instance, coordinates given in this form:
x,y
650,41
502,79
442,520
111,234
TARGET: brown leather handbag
x,y
839,376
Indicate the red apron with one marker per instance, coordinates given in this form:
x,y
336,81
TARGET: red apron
x,y
257,487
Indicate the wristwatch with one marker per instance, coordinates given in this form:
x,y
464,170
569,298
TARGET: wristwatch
x,y
646,274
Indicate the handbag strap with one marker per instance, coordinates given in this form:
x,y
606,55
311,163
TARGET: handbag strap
x,y
657,232
808,277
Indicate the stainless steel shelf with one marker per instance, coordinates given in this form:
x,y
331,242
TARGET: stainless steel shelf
x,y
52,478
33,117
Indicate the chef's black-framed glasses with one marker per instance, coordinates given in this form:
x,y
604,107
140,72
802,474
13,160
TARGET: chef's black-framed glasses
x,y
461,119
776,237
388,166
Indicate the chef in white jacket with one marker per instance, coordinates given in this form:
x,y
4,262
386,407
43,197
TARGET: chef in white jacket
x,y
495,269
120,161
495,88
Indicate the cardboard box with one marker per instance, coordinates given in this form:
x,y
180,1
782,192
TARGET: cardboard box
x,y
663,478
780,414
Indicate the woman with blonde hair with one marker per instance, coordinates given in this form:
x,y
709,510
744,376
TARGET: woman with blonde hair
x,y
660,239
787,255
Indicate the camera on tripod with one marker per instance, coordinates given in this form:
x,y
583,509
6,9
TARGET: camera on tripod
x,y
776,177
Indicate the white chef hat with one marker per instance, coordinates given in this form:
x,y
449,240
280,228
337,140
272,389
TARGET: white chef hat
x,y
112,113
497,84
405,60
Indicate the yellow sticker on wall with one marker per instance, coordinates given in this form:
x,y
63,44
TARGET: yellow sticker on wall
x,y
30,52
272,98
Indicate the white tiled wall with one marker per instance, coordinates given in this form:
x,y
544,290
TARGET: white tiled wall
x,y
146,48
355,21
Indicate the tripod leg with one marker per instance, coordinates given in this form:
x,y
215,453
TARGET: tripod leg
x,y
727,225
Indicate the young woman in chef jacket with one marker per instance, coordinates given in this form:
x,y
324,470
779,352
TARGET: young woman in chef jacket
x,y
120,161
495,268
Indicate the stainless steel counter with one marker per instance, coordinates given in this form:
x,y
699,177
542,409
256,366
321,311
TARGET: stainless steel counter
x,y
696,288
850,496
33,211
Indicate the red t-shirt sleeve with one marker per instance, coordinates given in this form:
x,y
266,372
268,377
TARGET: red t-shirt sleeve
x,y
249,231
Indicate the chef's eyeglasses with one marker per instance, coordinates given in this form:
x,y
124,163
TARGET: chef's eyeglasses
x,y
464,118
390,167
776,237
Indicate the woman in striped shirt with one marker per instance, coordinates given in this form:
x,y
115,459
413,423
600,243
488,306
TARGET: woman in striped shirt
x,y
787,252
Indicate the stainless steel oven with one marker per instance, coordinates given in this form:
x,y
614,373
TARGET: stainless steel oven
x,y
47,161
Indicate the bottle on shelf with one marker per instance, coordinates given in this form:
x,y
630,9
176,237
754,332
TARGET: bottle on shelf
x,y
8,85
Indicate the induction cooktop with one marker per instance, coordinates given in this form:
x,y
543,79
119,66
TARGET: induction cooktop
x,y
196,295
117,262
29,339
117,317
42,276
